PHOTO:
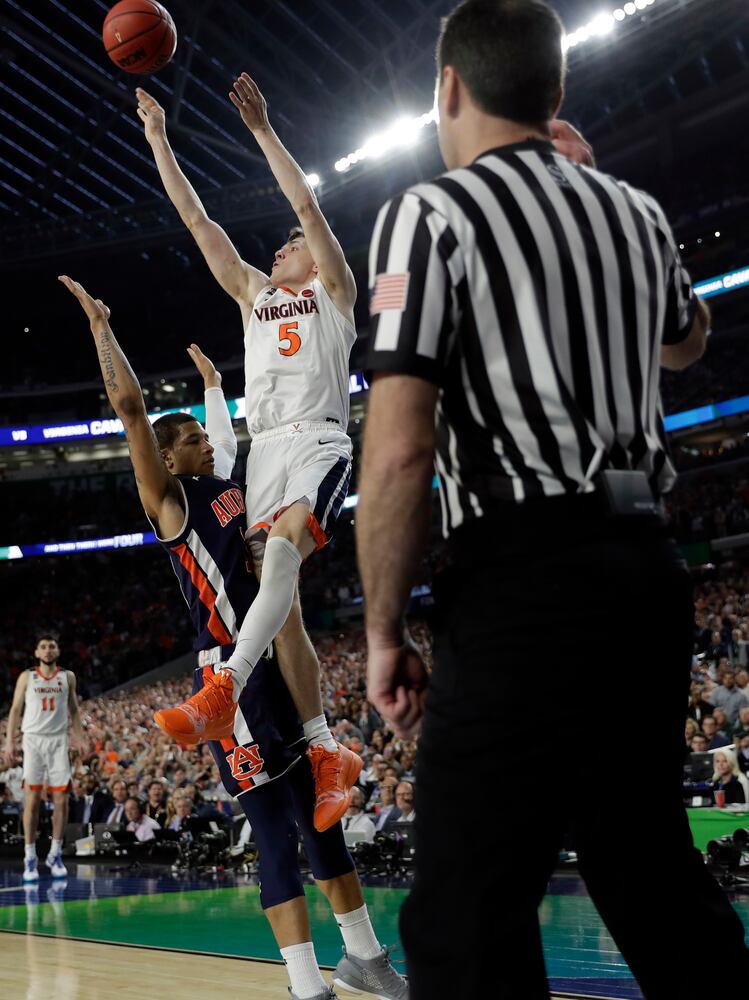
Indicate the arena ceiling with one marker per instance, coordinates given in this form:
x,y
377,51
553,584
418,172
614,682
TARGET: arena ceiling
x,y
75,169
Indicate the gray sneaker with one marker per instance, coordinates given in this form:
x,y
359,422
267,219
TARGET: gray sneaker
x,y
329,994
374,976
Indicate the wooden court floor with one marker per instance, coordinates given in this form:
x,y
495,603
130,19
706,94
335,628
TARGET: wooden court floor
x,y
35,967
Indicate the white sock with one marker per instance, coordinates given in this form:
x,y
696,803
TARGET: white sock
x,y
317,733
304,974
55,847
29,851
358,934
269,610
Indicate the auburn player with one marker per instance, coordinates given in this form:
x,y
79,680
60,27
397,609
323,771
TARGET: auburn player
x,y
298,325
199,516
45,696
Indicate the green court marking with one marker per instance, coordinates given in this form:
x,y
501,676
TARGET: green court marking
x,y
230,922
223,921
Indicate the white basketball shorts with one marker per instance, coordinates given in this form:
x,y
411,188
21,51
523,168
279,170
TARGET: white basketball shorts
x,y
46,762
308,460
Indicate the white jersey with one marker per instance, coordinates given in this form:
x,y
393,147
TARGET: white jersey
x,y
46,711
297,349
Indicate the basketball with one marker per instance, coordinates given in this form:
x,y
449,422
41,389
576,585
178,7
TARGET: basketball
x,y
139,36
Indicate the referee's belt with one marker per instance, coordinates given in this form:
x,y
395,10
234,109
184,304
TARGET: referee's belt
x,y
618,493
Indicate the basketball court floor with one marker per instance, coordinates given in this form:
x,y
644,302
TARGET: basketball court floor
x,y
108,932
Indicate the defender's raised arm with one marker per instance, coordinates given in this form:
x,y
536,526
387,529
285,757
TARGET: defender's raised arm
x,y
157,488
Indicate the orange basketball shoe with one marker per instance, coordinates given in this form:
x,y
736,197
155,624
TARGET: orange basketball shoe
x,y
334,771
207,715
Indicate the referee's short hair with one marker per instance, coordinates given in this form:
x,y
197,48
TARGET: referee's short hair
x,y
509,55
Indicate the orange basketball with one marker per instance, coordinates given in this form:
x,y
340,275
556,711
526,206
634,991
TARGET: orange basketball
x,y
139,36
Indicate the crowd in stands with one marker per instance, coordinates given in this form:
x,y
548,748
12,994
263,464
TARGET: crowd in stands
x,y
130,770
710,505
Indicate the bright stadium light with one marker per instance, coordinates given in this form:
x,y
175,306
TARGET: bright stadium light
x,y
406,131
313,180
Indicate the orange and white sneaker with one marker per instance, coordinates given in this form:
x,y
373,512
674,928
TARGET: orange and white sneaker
x,y
334,771
207,715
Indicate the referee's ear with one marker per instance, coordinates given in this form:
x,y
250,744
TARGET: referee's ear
x,y
451,90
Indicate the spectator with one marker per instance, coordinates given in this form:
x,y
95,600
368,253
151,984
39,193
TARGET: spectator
x,y
742,757
404,802
721,721
386,804
729,778
119,797
715,740
94,805
141,825
155,806
699,743
698,707
728,697
742,725
182,806
355,820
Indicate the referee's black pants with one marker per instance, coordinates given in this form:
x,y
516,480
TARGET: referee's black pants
x,y
558,701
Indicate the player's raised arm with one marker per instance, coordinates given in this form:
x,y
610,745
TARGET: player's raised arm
x,y
157,488
236,277
217,419
326,251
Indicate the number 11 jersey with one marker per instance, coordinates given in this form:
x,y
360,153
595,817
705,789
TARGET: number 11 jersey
x,y
297,348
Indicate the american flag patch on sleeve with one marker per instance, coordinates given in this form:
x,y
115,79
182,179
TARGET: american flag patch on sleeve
x,y
390,292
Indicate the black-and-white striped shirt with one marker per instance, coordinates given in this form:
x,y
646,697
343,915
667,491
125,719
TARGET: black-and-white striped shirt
x,y
537,294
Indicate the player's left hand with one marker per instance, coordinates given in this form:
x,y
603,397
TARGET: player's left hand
x,y
250,103
568,141
211,377
98,314
397,679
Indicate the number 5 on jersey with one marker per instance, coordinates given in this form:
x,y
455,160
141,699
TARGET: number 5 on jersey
x,y
287,332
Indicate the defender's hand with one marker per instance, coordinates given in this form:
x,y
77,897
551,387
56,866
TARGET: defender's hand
x,y
151,114
250,103
568,141
211,377
98,314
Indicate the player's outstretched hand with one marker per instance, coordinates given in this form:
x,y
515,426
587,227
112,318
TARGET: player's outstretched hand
x,y
211,377
568,141
151,114
98,314
250,103
8,756
396,685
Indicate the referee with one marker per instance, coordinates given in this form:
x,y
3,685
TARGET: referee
x,y
522,307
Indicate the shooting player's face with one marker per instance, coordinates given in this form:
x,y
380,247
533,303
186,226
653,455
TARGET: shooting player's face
x,y
192,453
293,263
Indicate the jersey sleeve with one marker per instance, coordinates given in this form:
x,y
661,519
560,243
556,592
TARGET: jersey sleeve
x,y
681,302
220,432
416,276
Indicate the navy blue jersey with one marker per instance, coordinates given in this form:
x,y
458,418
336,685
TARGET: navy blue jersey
x,y
267,738
211,561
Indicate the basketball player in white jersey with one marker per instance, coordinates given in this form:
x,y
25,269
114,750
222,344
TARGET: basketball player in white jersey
x,y
299,330
45,695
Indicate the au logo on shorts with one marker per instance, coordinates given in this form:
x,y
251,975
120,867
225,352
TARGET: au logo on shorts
x,y
245,762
